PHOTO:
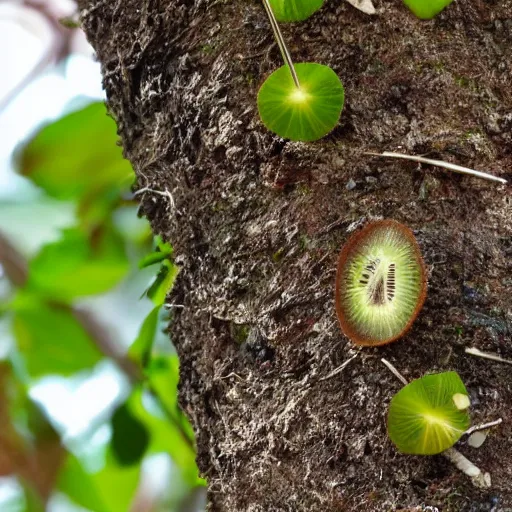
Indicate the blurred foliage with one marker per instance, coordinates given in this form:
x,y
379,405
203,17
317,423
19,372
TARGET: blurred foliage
x,y
78,158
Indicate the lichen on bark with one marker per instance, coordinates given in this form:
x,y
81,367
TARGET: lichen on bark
x,y
257,222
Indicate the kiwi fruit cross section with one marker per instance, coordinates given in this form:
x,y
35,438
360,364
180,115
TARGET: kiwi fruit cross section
x,y
380,283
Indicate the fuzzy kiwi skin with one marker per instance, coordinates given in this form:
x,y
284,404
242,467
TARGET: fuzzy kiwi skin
x,y
347,253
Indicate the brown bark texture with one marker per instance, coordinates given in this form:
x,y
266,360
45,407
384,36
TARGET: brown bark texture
x,y
257,224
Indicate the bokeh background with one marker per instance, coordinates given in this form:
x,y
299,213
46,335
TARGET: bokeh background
x,y
89,419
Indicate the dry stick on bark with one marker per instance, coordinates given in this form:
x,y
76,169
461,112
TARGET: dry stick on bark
x,y
485,355
339,369
482,426
395,372
440,163
479,479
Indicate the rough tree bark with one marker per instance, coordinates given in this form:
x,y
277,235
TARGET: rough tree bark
x,y
257,223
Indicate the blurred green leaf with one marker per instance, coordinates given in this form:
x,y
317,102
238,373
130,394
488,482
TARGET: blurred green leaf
x,y
78,485
96,207
164,374
140,350
117,484
152,258
130,437
76,154
163,251
135,230
33,502
166,434
163,282
78,265
109,490
51,340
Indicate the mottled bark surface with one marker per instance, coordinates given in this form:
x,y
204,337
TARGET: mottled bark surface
x,y
257,223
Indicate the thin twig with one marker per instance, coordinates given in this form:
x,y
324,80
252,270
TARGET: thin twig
x,y
441,163
281,43
58,49
12,262
339,369
395,372
485,355
479,479
482,426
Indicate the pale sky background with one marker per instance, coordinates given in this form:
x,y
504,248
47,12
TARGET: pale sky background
x,y
72,403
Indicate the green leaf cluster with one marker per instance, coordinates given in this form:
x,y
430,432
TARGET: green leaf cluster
x,y
78,159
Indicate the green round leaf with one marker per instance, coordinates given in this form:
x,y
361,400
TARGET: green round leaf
x,y
427,9
423,418
304,114
294,10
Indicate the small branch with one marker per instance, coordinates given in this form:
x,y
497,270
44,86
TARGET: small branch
x,y
485,355
482,426
479,479
107,346
440,163
13,263
281,43
58,49
339,369
395,372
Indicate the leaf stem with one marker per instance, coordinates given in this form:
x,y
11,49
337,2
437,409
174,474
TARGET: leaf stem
x,y
483,426
280,42
478,478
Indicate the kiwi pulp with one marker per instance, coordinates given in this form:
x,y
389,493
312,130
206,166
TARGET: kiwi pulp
x,y
380,283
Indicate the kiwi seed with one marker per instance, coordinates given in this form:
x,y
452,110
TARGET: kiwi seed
x,y
380,283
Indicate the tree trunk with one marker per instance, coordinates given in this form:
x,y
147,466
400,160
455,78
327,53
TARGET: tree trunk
x,y
257,223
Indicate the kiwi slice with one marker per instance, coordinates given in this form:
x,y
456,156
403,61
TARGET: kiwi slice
x,y
380,283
